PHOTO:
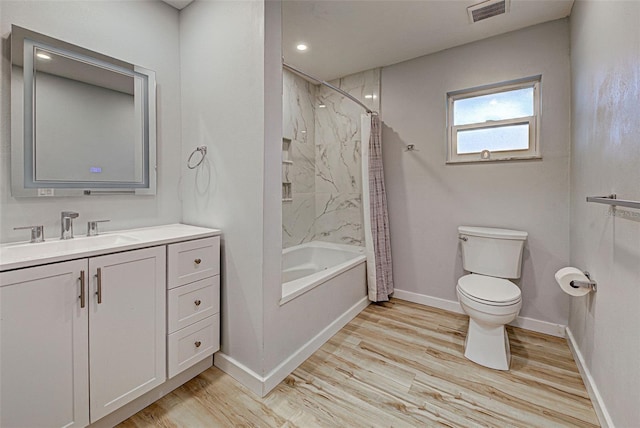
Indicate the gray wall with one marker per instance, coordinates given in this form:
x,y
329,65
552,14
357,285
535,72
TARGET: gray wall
x,y
428,199
239,187
222,70
144,33
605,158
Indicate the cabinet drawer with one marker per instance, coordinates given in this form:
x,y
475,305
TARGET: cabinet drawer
x,y
193,302
193,260
193,344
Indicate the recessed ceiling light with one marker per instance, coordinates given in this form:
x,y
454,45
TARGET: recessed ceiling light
x,y
370,96
43,55
321,106
302,47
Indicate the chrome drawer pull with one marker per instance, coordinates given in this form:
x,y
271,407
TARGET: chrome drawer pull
x,y
197,302
82,296
197,261
198,343
99,292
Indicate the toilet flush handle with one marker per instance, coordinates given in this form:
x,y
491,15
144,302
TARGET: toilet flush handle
x,y
463,238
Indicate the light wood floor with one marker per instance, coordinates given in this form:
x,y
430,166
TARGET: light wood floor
x,y
397,365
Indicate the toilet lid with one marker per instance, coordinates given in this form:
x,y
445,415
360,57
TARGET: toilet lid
x,y
489,289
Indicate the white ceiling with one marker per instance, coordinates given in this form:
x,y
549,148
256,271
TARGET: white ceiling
x,y
345,37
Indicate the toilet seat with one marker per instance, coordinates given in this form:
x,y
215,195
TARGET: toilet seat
x,y
489,290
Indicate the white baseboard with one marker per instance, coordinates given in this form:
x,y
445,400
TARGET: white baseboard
x,y
243,374
423,299
598,404
262,385
285,368
545,327
557,330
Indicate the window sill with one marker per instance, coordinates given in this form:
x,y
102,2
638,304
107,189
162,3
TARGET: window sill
x,y
514,158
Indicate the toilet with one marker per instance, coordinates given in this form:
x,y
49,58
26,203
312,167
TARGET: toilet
x,y
492,257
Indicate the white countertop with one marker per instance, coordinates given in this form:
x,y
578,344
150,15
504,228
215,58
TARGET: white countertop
x,y
24,254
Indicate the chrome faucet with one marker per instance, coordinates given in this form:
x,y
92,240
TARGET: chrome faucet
x,y
92,227
66,224
37,233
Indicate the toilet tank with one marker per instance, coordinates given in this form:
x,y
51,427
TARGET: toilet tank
x,y
493,252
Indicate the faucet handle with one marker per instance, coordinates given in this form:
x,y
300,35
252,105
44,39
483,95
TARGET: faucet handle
x,y
70,214
92,227
37,232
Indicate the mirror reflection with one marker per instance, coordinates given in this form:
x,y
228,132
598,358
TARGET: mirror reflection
x,y
74,136
88,121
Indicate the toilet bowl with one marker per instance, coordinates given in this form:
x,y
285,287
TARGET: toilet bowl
x,y
487,342
486,295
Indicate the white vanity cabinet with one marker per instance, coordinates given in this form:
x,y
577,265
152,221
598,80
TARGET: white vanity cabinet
x,y
79,339
127,350
193,302
44,349
57,339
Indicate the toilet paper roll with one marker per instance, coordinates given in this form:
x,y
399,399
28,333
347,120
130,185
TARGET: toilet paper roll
x,y
564,277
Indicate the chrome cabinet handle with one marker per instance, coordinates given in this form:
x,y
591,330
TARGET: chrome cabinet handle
x,y
197,261
99,291
82,295
197,302
198,343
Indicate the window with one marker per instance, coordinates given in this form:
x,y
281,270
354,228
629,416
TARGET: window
x,y
500,122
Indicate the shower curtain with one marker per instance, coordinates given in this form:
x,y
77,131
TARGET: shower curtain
x,y
376,219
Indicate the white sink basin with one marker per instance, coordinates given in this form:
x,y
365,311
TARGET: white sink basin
x,y
56,246
23,254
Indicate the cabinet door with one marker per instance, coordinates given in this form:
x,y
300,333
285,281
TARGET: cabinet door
x,y
44,347
127,349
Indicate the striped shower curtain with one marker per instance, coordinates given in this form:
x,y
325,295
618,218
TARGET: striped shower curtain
x,y
376,219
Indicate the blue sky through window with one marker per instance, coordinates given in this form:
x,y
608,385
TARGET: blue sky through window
x,y
499,106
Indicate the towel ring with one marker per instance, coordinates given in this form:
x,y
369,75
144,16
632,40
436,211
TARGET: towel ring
x,y
203,152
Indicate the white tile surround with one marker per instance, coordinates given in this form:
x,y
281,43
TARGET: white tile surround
x,y
328,207
298,125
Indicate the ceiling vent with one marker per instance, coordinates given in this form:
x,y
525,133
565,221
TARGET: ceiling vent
x,y
178,4
487,9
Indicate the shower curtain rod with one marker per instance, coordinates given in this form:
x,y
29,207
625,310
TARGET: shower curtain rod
x,y
330,86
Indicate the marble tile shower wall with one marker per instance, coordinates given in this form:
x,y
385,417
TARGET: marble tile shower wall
x,y
328,208
338,163
298,215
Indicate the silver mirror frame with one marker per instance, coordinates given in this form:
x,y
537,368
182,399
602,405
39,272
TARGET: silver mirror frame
x,y
23,183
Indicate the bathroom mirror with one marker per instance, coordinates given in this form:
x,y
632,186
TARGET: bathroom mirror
x,y
82,123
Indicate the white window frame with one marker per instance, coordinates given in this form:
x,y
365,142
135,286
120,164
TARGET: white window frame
x,y
533,152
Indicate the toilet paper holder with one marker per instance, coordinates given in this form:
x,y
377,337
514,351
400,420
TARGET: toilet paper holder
x,y
591,284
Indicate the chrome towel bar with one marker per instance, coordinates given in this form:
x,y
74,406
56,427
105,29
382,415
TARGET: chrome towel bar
x,y
613,200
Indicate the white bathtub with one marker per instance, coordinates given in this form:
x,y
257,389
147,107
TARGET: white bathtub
x,y
306,266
